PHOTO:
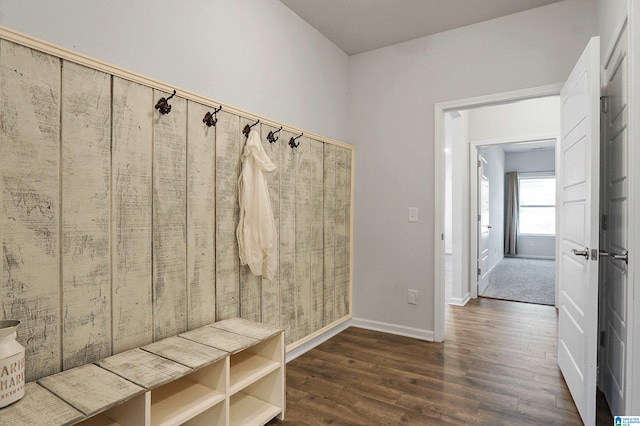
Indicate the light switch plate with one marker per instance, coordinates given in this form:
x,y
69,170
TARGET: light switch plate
x,y
412,297
413,214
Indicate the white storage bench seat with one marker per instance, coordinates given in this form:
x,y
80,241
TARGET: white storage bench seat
x,y
230,372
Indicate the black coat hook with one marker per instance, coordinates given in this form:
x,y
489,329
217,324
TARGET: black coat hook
x,y
271,137
210,118
247,129
292,142
163,104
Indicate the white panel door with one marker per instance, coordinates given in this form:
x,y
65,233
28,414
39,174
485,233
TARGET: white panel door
x,y
484,227
578,234
614,231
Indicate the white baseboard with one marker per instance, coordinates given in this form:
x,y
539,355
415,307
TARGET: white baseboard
x,y
530,256
317,340
401,330
460,301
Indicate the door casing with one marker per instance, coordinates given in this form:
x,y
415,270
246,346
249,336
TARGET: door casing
x,y
474,147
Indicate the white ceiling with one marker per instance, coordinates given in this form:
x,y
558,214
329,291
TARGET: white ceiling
x,y
528,146
358,26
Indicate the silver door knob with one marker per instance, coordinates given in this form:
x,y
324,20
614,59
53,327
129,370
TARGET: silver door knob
x,y
584,253
617,256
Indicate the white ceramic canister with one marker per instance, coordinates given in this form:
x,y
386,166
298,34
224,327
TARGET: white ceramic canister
x,y
11,364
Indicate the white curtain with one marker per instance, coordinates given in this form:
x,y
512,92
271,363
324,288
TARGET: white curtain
x,y
511,226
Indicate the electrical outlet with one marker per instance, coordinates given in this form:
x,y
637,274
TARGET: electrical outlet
x,y
412,297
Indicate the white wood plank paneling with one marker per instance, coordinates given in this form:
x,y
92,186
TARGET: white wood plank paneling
x,y
303,164
142,245
316,236
201,219
29,152
287,268
343,195
169,219
186,352
271,288
131,215
250,285
39,407
86,199
144,368
90,389
228,152
346,300
329,288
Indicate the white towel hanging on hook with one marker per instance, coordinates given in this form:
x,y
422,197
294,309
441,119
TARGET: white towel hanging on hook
x,y
257,234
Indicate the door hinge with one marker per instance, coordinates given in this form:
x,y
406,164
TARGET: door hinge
x,y
442,237
602,336
479,218
604,103
479,163
479,271
605,222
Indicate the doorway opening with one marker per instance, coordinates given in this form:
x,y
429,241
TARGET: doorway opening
x,y
516,222
454,121
487,131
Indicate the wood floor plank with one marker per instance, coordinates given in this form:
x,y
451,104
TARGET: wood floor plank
x,y
479,375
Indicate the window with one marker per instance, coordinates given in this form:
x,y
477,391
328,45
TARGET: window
x,y
537,207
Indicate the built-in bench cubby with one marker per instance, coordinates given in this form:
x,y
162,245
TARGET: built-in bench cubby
x,y
226,373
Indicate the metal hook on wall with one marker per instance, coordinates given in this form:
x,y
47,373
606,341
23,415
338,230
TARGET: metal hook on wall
x,y
210,118
163,104
247,129
292,141
271,137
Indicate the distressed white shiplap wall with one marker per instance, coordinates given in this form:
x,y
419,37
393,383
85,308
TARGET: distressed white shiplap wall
x,y
118,223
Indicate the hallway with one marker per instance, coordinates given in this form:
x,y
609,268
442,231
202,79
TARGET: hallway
x,y
497,366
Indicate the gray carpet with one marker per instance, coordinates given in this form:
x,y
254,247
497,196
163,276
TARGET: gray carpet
x,y
523,280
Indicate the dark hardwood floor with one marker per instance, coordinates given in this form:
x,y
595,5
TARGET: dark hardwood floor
x,y
497,366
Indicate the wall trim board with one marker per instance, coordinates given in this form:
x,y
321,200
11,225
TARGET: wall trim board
x,y
400,330
296,349
81,59
531,256
456,301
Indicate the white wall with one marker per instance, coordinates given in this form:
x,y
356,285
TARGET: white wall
x,y
515,121
393,91
532,161
495,172
255,55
